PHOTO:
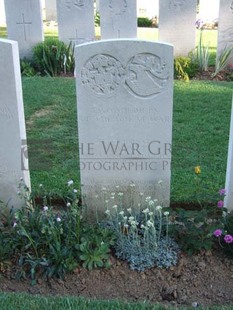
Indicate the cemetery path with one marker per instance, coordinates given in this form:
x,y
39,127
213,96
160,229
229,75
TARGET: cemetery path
x,y
205,279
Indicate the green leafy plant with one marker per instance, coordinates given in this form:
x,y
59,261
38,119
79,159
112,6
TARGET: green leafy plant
x,y
201,55
222,60
144,22
54,58
97,19
27,68
95,247
49,241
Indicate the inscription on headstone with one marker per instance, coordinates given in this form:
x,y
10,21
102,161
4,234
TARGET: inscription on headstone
x,y
24,24
177,24
118,19
124,99
76,21
13,151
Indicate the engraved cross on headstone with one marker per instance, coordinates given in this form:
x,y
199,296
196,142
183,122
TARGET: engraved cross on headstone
x,y
24,23
77,39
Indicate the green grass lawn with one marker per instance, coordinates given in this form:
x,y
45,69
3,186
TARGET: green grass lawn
x,y
200,134
12,301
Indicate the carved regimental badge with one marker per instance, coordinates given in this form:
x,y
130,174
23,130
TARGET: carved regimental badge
x,y
145,75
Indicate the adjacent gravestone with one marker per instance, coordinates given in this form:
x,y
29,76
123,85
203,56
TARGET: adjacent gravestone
x,y
13,151
225,27
124,99
118,19
51,10
177,24
24,24
76,21
228,203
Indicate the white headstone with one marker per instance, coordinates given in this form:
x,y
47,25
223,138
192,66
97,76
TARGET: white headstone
x,y
13,151
76,21
228,203
51,10
118,19
24,24
124,99
225,27
177,24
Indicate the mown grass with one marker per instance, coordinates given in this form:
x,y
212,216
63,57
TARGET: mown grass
x,y
200,134
12,301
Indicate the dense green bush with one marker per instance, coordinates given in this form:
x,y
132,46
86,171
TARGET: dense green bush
x,y
144,22
54,58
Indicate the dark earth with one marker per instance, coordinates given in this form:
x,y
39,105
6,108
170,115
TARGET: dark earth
x,y
204,279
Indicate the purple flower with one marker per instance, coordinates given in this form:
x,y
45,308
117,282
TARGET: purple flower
x,y
228,239
220,203
217,233
222,192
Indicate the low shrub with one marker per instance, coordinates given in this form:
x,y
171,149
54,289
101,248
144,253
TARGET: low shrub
x,y
184,68
53,58
142,237
43,240
144,22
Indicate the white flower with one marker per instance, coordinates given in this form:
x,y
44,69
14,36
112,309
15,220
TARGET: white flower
x,y
107,212
158,208
15,224
149,223
121,212
126,225
145,211
155,200
58,219
160,182
75,191
142,226
141,194
112,194
151,213
166,213
112,197
117,186
102,243
21,179
68,204
132,185
133,223
70,182
45,208
41,185
148,198
125,218
151,203
106,201
120,194
131,218
129,210
115,206
103,188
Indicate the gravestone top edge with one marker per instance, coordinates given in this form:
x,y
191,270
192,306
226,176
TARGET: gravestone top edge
x,y
125,40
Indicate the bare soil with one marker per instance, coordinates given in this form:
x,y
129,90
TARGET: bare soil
x,y
205,279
